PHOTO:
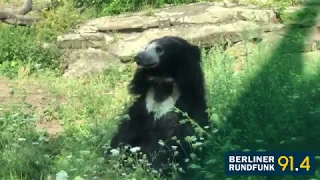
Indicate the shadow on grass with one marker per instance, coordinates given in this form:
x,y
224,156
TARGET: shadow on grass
x,y
278,110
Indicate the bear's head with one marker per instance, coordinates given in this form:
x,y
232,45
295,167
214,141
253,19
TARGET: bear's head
x,y
166,60
167,52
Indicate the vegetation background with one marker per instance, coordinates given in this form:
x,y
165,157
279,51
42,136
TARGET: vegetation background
x,y
273,104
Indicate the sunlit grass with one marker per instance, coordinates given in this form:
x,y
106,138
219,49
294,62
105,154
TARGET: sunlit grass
x,y
97,100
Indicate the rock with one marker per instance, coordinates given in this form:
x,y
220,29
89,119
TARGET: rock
x,y
297,16
261,16
86,29
240,49
306,46
313,39
308,2
294,42
130,44
206,35
200,13
87,61
317,44
84,40
111,23
96,44
220,4
272,38
229,4
204,23
309,46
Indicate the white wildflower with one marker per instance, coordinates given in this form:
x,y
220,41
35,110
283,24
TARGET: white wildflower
x,y
181,170
174,147
193,138
215,130
62,175
135,149
161,142
21,139
293,138
174,138
85,152
114,152
175,153
154,171
78,178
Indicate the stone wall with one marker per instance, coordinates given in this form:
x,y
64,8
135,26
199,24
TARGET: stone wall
x,y
112,40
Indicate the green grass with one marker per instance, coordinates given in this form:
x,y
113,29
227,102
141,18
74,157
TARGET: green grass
x,y
272,104
28,153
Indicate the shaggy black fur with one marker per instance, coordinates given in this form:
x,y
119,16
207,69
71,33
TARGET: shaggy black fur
x,y
180,62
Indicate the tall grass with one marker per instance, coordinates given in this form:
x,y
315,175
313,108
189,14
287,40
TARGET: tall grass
x,y
272,104
27,153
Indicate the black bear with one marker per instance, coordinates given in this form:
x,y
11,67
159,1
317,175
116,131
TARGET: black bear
x,y
168,76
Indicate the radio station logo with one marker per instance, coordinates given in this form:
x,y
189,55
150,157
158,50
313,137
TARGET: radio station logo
x,y
269,163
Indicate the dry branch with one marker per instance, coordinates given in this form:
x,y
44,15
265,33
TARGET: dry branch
x,y
18,17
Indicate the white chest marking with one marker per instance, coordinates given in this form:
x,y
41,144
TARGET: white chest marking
x,y
161,108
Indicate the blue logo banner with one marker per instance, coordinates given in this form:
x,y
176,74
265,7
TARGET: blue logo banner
x,y
270,163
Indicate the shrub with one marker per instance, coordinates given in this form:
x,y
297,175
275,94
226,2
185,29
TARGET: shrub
x,y
19,47
110,7
58,21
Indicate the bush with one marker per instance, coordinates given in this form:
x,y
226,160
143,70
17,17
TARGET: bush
x,y
58,21
110,7
19,47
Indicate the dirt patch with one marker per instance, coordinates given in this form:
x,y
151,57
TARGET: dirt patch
x,y
27,95
238,66
6,96
34,98
79,122
51,127
41,101
38,98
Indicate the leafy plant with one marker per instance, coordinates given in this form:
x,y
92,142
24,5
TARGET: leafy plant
x,y
19,47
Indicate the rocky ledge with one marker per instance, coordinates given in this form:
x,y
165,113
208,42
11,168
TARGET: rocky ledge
x,y
112,40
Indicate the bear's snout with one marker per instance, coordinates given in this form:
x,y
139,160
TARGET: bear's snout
x,y
145,59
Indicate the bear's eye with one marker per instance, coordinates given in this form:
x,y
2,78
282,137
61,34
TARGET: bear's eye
x,y
159,50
